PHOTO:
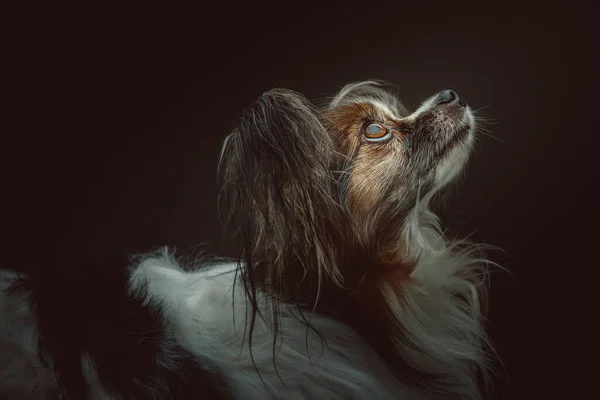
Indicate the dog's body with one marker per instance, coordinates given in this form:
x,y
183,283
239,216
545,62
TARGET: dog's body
x,y
197,352
344,288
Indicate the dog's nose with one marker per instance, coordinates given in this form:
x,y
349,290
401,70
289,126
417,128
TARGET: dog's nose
x,y
448,97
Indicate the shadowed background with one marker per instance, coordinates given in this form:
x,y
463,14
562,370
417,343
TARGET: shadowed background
x,y
117,118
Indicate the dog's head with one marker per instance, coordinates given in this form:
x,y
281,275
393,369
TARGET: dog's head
x,y
306,185
395,160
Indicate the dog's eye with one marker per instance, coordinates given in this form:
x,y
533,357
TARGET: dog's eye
x,y
375,132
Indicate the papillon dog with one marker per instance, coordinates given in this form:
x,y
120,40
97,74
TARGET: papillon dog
x,y
344,285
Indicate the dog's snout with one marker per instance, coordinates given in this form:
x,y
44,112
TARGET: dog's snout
x,y
449,97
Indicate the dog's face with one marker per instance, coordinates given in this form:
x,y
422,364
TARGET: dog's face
x,y
397,157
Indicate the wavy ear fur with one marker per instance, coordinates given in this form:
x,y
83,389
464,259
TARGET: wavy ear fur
x,y
281,197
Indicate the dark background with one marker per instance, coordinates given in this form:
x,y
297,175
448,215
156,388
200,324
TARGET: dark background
x,y
115,118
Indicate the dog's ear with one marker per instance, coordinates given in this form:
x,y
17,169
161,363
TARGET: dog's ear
x,y
279,192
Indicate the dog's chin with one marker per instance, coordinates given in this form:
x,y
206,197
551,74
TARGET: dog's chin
x,y
463,123
457,150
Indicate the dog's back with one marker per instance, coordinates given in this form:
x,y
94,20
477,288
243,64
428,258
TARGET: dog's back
x,y
159,331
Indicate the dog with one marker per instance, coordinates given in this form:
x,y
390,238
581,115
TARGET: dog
x,y
344,285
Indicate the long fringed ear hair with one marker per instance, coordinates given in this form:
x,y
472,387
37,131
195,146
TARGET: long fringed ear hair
x,y
282,207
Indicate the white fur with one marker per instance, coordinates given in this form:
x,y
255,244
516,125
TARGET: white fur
x,y
449,330
22,374
202,315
